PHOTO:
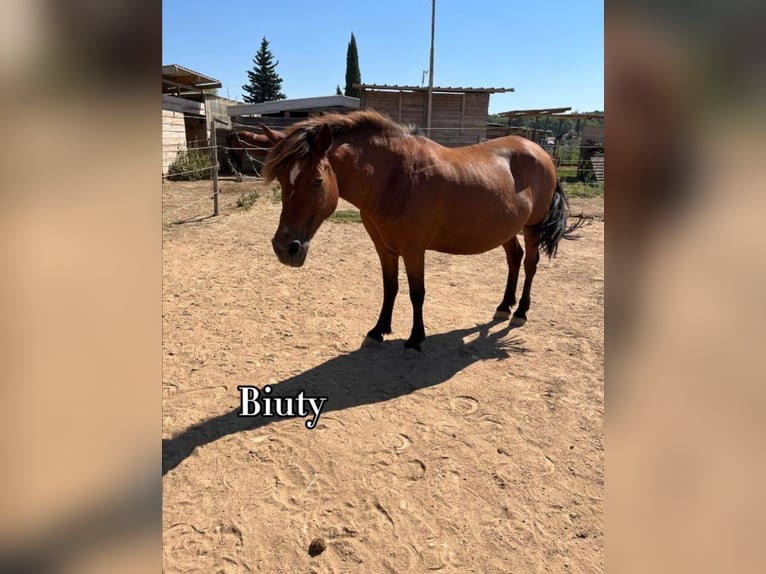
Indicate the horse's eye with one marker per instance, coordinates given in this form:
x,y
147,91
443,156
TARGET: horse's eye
x,y
317,182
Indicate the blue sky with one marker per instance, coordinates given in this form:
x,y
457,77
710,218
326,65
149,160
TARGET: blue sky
x,y
551,51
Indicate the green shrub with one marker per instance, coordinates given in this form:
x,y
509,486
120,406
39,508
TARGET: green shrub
x,y
247,200
276,193
346,216
579,189
190,165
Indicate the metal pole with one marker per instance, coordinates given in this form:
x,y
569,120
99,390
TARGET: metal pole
x,y
431,71
214,162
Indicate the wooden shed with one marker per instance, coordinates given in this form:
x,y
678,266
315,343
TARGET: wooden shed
x,y
532,132
589,137
458,118
188,110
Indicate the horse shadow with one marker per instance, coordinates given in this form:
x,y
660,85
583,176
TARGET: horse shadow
x,y
361,377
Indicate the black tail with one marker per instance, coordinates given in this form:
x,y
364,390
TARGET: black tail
x,y
554,228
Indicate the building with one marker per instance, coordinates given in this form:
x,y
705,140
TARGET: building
x,y
189,108
589,136
458,116
280,114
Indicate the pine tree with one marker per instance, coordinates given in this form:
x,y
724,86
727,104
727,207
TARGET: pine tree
x,y
337,90
353,75
265,84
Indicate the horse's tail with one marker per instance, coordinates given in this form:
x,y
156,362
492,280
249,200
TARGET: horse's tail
x,y
554,228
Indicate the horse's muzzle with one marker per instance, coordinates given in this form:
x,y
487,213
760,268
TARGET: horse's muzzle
x,y
292,254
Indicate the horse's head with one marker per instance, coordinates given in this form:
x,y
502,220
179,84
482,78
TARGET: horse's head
x,y
309,190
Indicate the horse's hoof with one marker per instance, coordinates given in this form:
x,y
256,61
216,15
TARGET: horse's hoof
x,y
502,315
371,343
517,321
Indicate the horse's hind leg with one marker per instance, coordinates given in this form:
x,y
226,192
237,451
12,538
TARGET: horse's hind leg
x,y
513,254
531,258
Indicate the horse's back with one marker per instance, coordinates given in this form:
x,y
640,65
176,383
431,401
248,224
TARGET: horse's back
x,y
463,200
455,200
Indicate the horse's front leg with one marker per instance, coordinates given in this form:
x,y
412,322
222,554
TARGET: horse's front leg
x,y
389,263
414,262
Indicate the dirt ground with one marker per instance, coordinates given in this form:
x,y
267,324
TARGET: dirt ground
x,y
482,454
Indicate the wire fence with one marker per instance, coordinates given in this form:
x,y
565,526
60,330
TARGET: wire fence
x,y
191,162
201,159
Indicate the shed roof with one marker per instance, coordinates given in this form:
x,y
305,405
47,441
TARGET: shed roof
x,y
536,112
177,79
554,112
295,105
436,89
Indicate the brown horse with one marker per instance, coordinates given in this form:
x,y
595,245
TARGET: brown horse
x,y
244,146
414,195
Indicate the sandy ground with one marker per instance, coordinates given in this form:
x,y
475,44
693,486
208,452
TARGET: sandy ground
x,y
482,454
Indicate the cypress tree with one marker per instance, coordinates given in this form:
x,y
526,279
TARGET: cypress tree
x,y
353,75
265,84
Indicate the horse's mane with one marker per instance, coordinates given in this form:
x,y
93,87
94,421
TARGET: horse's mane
x,y
296,144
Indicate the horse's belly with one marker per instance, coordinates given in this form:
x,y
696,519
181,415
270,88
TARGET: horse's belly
x,y
457,222
468,246
473,239
473,233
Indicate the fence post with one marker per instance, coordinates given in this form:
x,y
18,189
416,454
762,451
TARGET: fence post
x,y
214,163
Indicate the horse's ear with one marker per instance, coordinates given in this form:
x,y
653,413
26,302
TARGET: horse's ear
x,y
323,140
273,135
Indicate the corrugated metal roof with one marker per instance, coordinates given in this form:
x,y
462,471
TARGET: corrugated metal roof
x,y
175,77
537,112
554,112
294,104
435,88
